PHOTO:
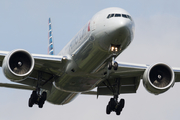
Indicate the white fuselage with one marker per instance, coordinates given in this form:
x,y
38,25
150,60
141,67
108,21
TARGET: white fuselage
x,y
106,35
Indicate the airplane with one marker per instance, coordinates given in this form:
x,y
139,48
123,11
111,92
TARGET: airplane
x,y
85,63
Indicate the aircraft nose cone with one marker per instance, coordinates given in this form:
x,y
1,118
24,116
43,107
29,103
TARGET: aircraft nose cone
x,y
118,32
126,24
120,26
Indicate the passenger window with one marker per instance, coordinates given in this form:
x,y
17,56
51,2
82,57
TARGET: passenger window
x,y
117,15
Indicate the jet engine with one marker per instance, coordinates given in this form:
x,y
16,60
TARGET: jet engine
x,y
18,65
158,78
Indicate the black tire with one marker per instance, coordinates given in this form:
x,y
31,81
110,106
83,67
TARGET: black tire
x,y
109,65
112,104
118,111
32,99
122,103
44,96
40,104
30,104
42,100
115,66
108,111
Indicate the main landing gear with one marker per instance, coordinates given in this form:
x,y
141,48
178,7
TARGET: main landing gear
x,y
113,104
38,99
38,96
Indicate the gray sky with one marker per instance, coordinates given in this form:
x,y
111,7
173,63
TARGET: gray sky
x,y
24,24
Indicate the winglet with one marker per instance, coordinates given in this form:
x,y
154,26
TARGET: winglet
x,y
50,38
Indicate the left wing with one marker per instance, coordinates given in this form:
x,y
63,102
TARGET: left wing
x,y
130,75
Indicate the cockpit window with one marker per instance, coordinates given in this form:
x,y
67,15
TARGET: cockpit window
x,y
129,17
112,15
119,15
125,16
109,16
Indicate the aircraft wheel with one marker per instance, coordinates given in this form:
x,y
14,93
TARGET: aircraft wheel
x,y
115,66
33,99
118,111
40,104
112,104
122,103
42,99
30,102
108,111
109,65
120,107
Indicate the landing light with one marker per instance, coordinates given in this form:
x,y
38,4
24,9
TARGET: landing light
x,y
114,49
64,58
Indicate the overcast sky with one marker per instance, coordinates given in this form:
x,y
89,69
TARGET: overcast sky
x,y
24,24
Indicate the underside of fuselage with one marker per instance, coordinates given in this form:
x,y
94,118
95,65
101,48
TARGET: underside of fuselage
x,y
107,38
91,59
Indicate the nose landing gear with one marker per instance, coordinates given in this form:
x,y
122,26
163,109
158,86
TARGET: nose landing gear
x,y
113,64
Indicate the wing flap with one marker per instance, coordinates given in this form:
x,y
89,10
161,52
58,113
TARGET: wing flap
x,y
105,91
129,75
52,64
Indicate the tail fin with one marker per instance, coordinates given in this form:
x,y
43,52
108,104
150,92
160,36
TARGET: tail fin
x,y
50,38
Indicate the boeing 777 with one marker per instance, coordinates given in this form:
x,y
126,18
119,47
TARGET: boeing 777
x,y
85,63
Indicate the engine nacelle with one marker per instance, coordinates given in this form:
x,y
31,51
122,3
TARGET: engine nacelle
x,y
158,78
18,65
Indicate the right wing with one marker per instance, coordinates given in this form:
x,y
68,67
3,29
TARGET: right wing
x,y
48,66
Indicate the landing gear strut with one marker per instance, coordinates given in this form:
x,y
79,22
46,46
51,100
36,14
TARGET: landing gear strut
x,y
113,104
113,64
38,96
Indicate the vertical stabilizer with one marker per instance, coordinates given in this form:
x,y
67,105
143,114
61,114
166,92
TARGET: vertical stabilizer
x,y
50,38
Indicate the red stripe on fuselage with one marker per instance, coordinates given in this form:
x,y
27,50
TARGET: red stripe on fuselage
x,y
89,26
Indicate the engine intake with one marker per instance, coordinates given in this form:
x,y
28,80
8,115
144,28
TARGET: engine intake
x,y
18,65
158,78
